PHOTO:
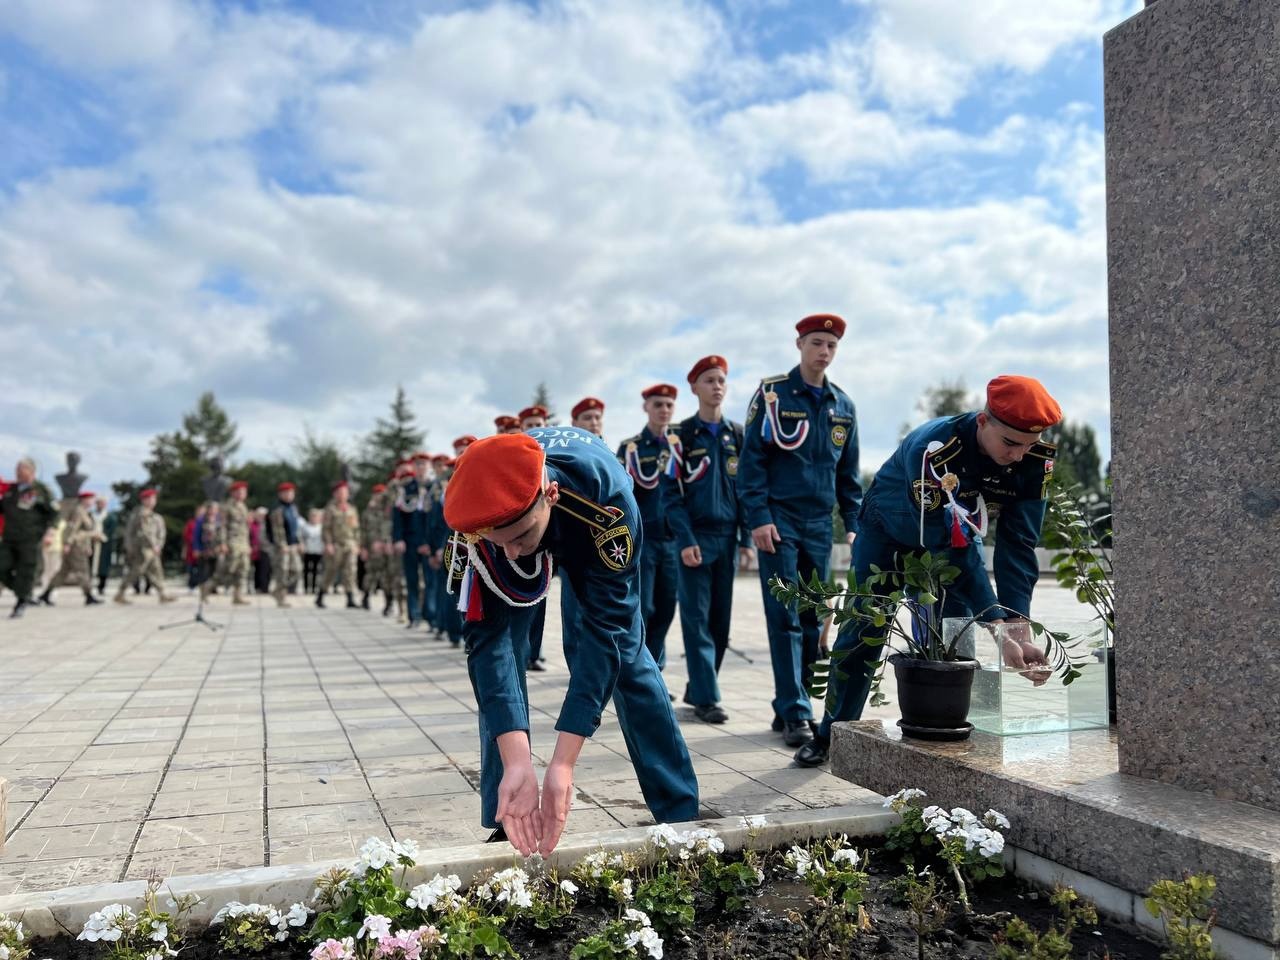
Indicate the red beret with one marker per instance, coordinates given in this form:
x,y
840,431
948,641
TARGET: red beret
x,y
1023,403
498,479
239,485
85,494
286,485
439,457
537,410
339,485
420,455
705,364
464,441
503,422
821,323
660,390
585,404
149,492
379,487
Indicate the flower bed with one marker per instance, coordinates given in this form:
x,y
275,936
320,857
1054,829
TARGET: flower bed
x,y
933,887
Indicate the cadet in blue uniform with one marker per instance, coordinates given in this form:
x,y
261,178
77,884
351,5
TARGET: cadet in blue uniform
x,y
556,497
652,463
936,493
448,620
588,416
409,535
799,460
531,418
705,513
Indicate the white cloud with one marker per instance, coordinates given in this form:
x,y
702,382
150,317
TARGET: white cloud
x,y
522,195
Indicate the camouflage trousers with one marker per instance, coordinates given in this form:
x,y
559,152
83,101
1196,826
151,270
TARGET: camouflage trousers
x,y
340,565
382,572
75,571
139,566
233,567
286,568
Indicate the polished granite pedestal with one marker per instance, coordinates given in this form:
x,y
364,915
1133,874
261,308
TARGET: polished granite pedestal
x,y
1069,805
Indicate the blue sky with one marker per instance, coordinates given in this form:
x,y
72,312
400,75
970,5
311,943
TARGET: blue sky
x,y
300,205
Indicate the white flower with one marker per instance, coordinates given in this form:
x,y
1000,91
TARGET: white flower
x,y
995,820
646,937
900,800
374,855
636,916
406,850
846,856
755,822
508,886
597,863
802,861
375,927
108,923
626,889
664,835
759,875
4,952
569,887
963,817
160,932
441,893
992,844
297,915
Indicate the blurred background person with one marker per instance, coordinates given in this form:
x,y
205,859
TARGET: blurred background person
x,y
312,539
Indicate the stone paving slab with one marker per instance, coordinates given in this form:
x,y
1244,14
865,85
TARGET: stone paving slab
x,y
291,735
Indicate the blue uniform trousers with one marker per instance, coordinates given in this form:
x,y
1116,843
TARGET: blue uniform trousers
x,y
570,615
447,616
658,752
536,626
793,637
659,584
706,603
415,563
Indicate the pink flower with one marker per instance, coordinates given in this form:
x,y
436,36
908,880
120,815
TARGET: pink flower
x,y
344,949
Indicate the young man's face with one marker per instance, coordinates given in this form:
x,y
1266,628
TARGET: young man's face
x,y
659,410
1002,443
24,473
523,537
422,469
710,386
148,503
818,350
286,496
101,504
340,496
532,423
239,493
591,421
514,428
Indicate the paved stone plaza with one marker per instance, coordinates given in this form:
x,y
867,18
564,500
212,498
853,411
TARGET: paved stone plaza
x,y
291,735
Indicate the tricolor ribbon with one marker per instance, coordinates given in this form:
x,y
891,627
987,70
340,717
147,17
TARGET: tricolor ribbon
x,y
771,427
698,472
497,576
646,480
676,458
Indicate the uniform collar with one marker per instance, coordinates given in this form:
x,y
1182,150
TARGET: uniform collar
x,y
798,386
647,434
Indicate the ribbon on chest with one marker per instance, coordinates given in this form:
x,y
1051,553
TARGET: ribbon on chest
x,y
668,465
962,528
507,579
771,426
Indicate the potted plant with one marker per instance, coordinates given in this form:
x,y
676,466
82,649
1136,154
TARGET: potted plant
x,y
900,609
1080,535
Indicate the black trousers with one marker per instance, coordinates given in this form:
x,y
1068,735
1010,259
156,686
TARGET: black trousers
x,y
311,571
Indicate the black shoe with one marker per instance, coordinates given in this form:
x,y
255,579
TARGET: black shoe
x,y
776,726
46,599
498,836
454,643
19,609
351,602
90,600
711,713
813,754
364,601
320,599
794,734
536,666
412,624
386,611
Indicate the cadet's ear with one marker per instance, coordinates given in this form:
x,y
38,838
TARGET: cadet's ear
x,y
552,492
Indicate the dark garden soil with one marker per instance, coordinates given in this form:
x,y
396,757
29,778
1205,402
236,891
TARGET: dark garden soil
x,y
779,925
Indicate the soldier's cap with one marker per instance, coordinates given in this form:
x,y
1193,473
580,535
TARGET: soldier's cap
x,y
86,494
440,457
821,323
339,485
707,363
1023,403
379,487
464,441
585,404
537,410
239,485
149,492
497,482
421,455
286,485
660,390
505,421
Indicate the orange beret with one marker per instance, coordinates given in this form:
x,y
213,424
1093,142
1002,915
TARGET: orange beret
x,y
497,481
379,487
821,323
537,410
239,485
705,364
149,492
660,390
1023,403
464,441
585,404
286,485
339,485
503,422
85,494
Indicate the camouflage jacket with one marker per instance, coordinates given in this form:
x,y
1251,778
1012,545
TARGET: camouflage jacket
x,y
341,527
233,525
144,531
375,522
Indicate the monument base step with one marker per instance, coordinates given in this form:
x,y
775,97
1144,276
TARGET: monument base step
x,y
1072,809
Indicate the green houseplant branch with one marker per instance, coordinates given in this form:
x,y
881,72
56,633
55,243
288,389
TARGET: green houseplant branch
x,y
1080,561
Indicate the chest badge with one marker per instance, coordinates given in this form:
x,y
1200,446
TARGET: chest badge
x,y
926,494
731,466
839,435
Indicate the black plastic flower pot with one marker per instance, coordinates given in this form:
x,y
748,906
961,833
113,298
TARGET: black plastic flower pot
x,y
934,697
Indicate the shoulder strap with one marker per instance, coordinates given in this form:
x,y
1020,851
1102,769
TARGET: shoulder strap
x,y
598,518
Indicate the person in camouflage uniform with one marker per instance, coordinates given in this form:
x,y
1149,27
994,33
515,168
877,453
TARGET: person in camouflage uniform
x,y
27,515
286,551
375,539
143,540
78,538
395,563
341,531
233,543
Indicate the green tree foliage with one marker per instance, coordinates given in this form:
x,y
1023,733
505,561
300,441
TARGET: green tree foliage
x,y
947,398
210,428
542,398
1077,462
391,439
318,466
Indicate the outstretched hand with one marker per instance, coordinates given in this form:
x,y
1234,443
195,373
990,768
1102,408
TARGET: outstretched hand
x,y
518,807
557,798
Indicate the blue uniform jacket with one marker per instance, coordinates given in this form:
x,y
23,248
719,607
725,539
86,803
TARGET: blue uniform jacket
x,y
409,516
594,537
705,497
1014,494
653,455
806,482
